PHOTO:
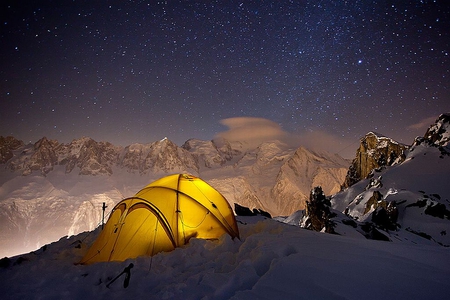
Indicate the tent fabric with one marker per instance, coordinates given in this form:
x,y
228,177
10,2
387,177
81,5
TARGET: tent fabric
x,y
162,216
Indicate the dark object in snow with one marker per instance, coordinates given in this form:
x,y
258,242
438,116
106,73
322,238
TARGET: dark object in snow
x,y
349,222
245,211
127,272
372,233
261,212
432,208
421,234
386,216
438,210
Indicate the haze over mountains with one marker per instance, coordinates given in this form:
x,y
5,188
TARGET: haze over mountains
x,y
50,189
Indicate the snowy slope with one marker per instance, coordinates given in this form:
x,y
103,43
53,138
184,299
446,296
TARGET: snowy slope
x,y
418,187
271,261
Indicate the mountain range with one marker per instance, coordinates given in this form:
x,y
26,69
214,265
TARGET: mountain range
x,y
51,189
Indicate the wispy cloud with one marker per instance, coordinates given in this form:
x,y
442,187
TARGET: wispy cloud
x,y
423,124
255,131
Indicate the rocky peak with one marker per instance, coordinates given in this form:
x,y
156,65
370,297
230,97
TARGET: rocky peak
x,y
375,151
164,155
133,156
7,146
438,134
205,152
43,158
228,149
90,156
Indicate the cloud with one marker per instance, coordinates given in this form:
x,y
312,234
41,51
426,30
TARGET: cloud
x,y
423,124
253,131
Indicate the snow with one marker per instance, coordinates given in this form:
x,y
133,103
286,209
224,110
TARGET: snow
x,y
272,260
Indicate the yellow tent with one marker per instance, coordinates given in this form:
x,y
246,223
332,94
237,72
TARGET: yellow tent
x,y
162,216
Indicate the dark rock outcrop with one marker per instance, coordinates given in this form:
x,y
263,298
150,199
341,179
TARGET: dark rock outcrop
x,y
437,135
318,214
245,211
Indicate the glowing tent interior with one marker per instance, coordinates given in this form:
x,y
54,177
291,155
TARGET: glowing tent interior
x,y
162,216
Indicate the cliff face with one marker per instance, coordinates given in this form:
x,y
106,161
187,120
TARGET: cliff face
x,y
375,151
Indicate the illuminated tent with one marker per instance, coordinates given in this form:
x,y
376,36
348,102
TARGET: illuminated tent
x,y
162,216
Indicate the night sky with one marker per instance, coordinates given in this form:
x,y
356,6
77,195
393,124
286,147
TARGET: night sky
x,y
319,73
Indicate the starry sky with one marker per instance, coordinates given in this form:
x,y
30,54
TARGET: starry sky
x,y
316,73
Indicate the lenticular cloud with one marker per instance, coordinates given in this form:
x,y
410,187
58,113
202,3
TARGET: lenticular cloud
x,y
252,130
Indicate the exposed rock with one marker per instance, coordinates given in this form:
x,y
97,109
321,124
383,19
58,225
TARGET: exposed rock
x,y
133,156
374,202
167,156
7,146
245,211
432,208
43,158
91,157
386,216
438,210
207,153
318,214
437,135
375,151
374,182
242,210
